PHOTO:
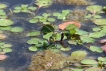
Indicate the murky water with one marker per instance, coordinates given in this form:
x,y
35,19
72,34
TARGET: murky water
x,y
20,58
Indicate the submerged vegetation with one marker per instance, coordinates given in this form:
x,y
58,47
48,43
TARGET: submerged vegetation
x,y
52,39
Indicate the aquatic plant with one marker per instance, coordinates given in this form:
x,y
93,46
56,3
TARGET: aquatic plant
x,y
96,49
44,19
47,60
4,47
77,15
2,57
43,3
77,56
74,2
93,69
16,29
61,16
6,22
24,8
3,15
89,62
3,6
94,10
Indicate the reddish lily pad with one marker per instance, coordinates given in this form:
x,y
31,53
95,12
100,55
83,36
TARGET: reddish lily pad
x,y
104,48
2,57
103,41
65,24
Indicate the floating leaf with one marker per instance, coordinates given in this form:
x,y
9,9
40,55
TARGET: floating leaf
x,y
7,45
96,49
86,39
33,41
81,32
96,35
2,57
16,29
78,55
93,69
7,50
5,22
6,28
34,33
48,35
89,61
33,20
94,8
100,21
96,29
102,58
33,48
56,14
3,6
65,49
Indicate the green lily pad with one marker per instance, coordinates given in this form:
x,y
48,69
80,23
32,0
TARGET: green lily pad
x,y
94,8
7,45
96,35
93,69
65,49
3,6
6,28
7,50
16,29
34,33
89,62
78,55
100,21
48,35
102,59
33,41
6,22
33,48
96,49
86,39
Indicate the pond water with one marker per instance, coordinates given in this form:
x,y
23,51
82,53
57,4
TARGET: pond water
x,y
20,58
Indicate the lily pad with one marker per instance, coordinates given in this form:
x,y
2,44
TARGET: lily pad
x,y
33,41
65,49
78,55
89,62
2,6
96,49
34,33
5,22
16,29
48,35
93,69
102,59
33,48
100,21
94,9
7,50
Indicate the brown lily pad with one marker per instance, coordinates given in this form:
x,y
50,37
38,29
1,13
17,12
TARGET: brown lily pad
x,y
2,36
65,24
